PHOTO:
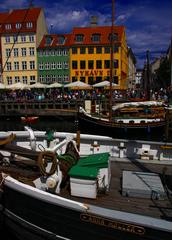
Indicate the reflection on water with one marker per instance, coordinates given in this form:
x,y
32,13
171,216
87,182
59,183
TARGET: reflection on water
x,y
69,125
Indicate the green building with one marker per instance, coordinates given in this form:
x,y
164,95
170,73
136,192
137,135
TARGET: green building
x,y
53,59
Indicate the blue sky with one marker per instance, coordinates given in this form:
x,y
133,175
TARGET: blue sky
x,y
148,22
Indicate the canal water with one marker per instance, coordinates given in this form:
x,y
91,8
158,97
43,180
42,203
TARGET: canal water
x,y
66,124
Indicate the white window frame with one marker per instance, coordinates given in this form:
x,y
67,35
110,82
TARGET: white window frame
x,y
16,65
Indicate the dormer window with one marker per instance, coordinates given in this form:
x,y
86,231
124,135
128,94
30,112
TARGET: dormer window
x,y
7,26
48,40
61,40
115,36
96,37
79,38
18,25
29,24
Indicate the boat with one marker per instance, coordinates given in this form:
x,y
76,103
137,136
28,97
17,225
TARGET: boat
x,y
103,189
29,119
128,117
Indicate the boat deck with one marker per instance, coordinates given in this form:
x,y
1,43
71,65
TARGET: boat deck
x,y
114,199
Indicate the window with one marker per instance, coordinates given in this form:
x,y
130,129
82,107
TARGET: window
x,y
41,78
48,40
47,65
7,39
95,38
61,40
82,50
16,65
18,25
107,49
32,65
65,52
82,79
53,78
16,52
17,79
65,65
8,66
98,64
115,79
7,26
29,25
53,65
24,79
32,78
9,80
59,65
15,39
91,80
23,52
90,50
74,50
23,38
116,63
41,66
31,51
8,52
74,64
90,64
52,52
107,64
82,64
115,37
24,65
98,79
116,49
79,37
31,38
98,50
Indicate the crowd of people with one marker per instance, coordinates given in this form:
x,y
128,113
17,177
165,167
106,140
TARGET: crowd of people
x,y
56,94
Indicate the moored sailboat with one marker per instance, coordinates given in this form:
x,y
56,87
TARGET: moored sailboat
x,y
92,200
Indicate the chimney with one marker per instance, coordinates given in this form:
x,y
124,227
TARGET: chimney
x,y
93,21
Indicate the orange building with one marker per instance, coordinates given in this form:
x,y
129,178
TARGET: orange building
x,y
90,55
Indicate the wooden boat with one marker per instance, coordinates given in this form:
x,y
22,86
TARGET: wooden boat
x,y
141,117
29,119
117,189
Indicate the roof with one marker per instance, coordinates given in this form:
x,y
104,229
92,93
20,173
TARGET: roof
x,y
53,40
3,17
104,31
21,16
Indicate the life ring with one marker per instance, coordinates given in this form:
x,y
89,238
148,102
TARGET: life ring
x,y
43,159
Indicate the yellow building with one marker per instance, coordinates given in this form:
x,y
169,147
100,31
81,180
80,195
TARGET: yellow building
x,y
90,55
21,34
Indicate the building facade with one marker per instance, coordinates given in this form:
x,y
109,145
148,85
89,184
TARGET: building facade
x,y
90,55
53,59
131,69
21,33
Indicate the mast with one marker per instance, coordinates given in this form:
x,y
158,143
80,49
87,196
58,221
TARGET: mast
x,y
111,61
148,76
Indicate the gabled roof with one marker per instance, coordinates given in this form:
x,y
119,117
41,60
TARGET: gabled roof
x,y
22,16
26,15
104,31
54,40
3,17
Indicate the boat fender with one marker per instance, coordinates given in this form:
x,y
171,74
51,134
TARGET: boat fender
x,y
44,159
